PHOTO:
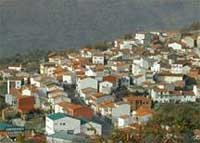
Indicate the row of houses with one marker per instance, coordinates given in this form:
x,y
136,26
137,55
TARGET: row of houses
x,y
164,64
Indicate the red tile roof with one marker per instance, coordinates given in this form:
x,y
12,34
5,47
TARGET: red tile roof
x,y
110,78
70,106
144,110
25,104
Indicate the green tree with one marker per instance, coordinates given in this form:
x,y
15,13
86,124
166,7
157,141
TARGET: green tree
x,y
128,36
101,46
3,88
20,138
174,123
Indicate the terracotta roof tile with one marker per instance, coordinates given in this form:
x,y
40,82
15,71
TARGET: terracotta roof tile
x,y
144,110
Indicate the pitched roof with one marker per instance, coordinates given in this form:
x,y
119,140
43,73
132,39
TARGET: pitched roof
x,y
144,110
56,116
107,105
135,98
71,106
110,78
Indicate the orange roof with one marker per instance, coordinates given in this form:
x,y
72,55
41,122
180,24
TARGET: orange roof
x,y
87,49
67,106
25,103
194,73
135,98
107,105
23,97
120,64
26,109
110,78
58,70
92,93
99,68
160,90
89,90
144,110
80,72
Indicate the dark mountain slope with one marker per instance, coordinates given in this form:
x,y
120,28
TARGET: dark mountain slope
x,y
59,24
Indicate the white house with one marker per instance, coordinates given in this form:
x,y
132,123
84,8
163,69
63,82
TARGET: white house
x,y
86,52
136,69
10,99
26,92
15,67
143,114
14,83
120,67
140,37
124,121
90,128
47,68
198,41
170,77
96,71
177,68
69,78
97,101
115,110
86,82
52,87
127,44
57,96
61,122
57,59
189,41
98,59
105,87
90,72
175,46
36,81
155,67
141,62
166,96
58,99
139,66
139,79
83,93
196,90
119,109
93,99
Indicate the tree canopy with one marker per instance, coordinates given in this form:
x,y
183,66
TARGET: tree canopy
x,y
172,123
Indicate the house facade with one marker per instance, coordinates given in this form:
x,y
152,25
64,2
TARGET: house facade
x,y
60,122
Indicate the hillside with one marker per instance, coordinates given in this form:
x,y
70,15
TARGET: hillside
x,y
59,24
